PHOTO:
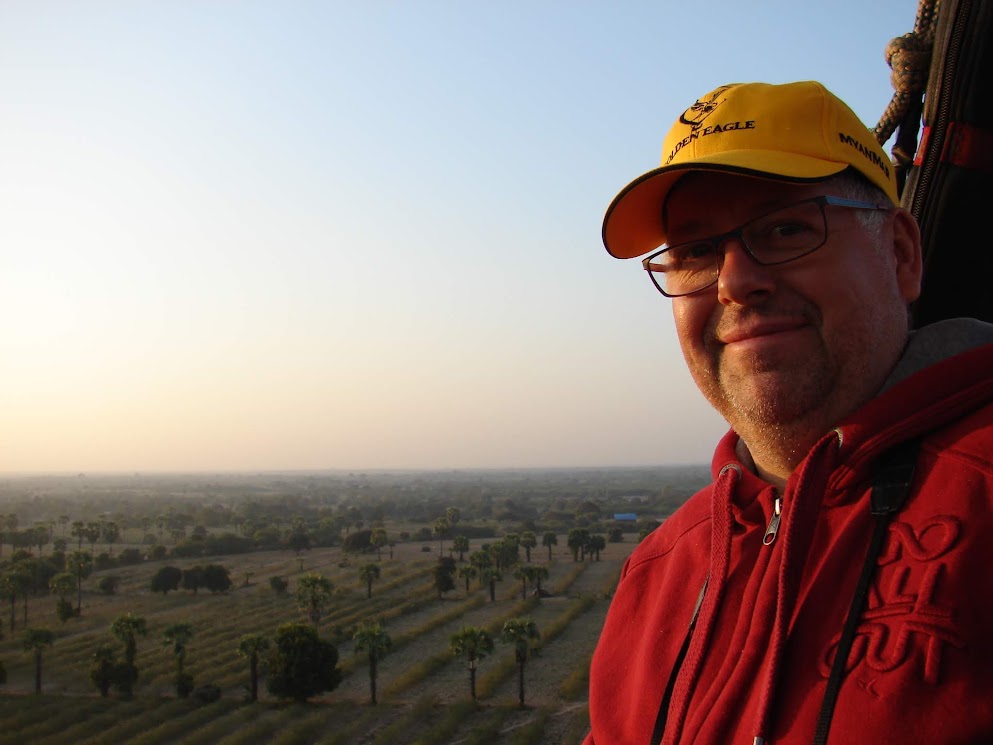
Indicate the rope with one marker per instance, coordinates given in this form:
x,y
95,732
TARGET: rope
x,y
909,57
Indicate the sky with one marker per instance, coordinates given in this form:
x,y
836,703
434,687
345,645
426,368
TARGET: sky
x,y
291,235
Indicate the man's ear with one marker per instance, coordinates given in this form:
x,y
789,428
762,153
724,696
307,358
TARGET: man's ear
x,y
907,254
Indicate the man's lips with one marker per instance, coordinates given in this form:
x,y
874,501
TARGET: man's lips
x,y
766,328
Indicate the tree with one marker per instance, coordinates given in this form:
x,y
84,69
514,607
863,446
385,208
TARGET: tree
x,y
35,640
443,571
528,541
538,575
369,573
313,594
524,575
92,533
81,564
596,544
460,544
193,579
360,540
108,584
166,578
441,530
14,583
301,664
522,632
491,575
453,515
473,643
376,643
178,636
253,646
102,672
127,628
377,540
78,531
216,578
62,585
110,532
299,539
467,572
577,541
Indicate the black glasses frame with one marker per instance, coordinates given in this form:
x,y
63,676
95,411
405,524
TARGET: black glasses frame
x,y
717,240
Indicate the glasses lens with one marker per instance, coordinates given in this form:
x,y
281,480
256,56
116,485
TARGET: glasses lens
x,y
786,234
685,268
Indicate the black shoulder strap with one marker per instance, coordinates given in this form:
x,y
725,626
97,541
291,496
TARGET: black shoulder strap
x,y
890,487
663,715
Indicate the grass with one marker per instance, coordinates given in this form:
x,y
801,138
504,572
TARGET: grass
x,y
424,694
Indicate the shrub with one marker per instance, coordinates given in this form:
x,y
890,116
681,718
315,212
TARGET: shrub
x,y
158,552
301,664
64,609
130,556
216,578
166,579
184,685
104,561
206,694
278,585
108,585
360,540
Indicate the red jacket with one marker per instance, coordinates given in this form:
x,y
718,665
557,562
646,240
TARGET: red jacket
x,y
758,659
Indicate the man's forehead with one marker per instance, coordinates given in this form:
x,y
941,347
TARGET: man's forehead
x,y
701,200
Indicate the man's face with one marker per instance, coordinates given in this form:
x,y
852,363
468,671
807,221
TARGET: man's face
x,y
797,346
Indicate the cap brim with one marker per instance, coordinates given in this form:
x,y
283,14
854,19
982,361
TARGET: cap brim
x,y
633,225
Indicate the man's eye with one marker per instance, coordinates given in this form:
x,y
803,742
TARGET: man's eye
x,y
690,253
790,229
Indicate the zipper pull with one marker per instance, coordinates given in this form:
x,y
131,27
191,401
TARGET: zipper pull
x,y
773,529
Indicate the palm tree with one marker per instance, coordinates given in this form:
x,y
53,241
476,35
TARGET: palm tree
x,y
528,541
490,575
35,640
15,583
178,636
253,646
441,528
522,632
313,595
474,644
127,629
370,638
524,575
538,575
81,564
369,573
377,540
460,544
549,540
467,572
597,544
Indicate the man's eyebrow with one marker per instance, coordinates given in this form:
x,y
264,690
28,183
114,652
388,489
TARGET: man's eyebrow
x,y
702,227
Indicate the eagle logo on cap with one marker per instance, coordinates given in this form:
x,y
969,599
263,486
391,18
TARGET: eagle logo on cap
x,y
697,114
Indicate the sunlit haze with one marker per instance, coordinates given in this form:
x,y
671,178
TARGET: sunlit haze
x,y
363,235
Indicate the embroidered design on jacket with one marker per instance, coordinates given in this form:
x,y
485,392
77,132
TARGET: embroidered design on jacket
x,y
904,623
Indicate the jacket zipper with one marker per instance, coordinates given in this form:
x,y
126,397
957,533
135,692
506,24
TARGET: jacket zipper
x,y
773,529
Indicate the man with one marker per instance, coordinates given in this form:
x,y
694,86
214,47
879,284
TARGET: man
x,y
775,606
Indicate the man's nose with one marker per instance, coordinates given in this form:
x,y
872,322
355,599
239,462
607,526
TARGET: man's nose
x,y
741,279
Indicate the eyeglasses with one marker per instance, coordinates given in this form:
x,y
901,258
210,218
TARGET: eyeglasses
x,y
783,235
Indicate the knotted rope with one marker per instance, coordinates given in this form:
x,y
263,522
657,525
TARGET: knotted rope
x,y
909,57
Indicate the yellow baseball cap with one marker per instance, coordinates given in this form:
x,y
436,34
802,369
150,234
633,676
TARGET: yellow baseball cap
x,y
793,132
